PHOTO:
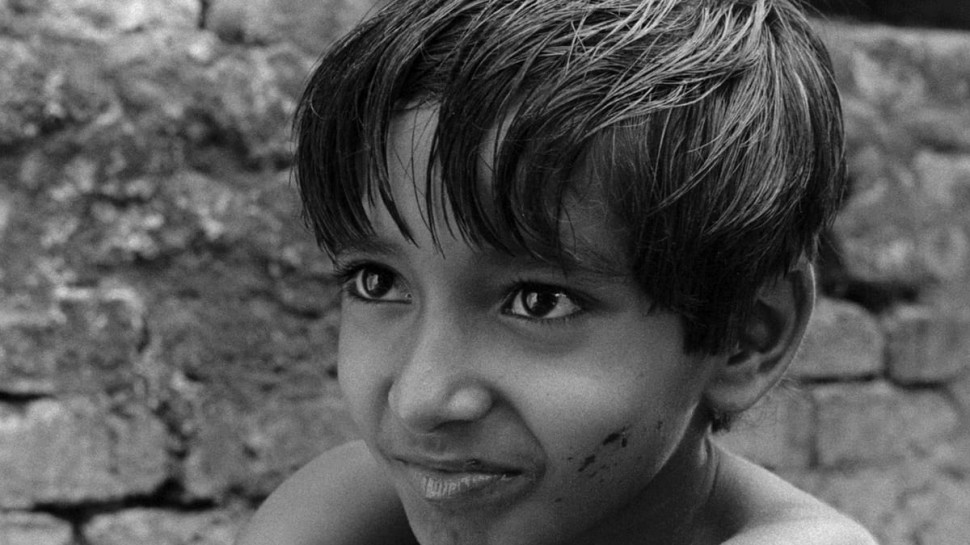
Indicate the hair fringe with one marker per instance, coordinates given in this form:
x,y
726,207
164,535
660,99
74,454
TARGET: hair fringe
x,y
711,131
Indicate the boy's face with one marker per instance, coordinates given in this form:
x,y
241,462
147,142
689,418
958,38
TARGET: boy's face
x,y
512,400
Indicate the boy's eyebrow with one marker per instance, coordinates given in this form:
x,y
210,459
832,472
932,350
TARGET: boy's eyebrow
x,y
585,261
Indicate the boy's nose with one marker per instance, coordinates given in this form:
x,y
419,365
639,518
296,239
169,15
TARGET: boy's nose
x,y
438,382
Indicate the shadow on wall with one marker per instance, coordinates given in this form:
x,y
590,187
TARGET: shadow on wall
x,y
921,13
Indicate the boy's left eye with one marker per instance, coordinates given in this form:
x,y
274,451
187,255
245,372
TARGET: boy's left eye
x,y
538,302
374,283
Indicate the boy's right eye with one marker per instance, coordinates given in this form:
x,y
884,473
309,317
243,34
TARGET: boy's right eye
x,y
374,283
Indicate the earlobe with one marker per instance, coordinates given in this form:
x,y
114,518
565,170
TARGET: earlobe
x,y
767,342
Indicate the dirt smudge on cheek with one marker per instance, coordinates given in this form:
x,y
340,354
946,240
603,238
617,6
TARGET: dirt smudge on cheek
x,y
612,438
617,436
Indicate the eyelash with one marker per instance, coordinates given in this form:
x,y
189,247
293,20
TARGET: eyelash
x,y
521,285
345,274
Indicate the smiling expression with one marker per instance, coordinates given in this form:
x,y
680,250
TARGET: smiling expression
x,y
512,400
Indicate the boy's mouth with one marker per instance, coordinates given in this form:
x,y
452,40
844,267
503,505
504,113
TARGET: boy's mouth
x,y
439,486
465,483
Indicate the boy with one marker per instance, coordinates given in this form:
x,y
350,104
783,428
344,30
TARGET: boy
x,y
574,237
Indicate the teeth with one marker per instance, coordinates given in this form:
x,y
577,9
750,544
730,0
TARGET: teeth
x,y
437,488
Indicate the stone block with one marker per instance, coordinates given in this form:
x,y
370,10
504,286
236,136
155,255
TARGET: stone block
x,y
253,97
74,451
877,424
28,363
922,499
936,127
173,214
941,512
842,341
86,343
236,343
892,235
21,93
945,179
253,451
46,87
5,211
927,345
101,19
221,101
159,527
311,24
897,67
904,93
249,384
868,495
959,390
22,528
777,433
914,501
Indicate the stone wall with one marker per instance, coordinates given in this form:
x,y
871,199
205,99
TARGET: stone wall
x,y
876,414
167,329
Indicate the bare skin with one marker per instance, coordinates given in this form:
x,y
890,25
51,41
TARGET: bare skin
x,y
505,400
314,507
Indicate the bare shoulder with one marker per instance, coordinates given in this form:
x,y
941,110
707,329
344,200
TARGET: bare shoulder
x,y
811,530
340,497
759,508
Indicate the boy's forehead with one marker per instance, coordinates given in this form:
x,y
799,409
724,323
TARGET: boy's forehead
x,y
588,241
411,138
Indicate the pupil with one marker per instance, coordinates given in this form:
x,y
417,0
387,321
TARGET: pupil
x,y
541,303
376,283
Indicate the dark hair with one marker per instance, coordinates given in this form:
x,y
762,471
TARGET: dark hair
x,y
712,129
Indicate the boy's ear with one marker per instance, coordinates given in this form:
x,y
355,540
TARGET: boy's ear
x,y
767,342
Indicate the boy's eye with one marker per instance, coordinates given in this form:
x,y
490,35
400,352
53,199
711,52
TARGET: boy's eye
x,y
542,303
373,283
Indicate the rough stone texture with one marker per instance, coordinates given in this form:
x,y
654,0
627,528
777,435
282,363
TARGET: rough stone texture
x,y
778,432
959,390
66,452
903,92
21,84
5,209
253,451
87,343
159,527
269,21
19,528
926,345
167,328
842,340
155,258
921,500
877,424
101,19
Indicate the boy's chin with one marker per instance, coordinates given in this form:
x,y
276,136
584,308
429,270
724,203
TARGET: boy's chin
x,y
432,526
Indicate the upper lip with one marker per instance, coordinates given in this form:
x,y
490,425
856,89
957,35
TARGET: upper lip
x,y
457,464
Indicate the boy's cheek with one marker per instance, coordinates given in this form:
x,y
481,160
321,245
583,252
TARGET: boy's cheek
x,y
360,373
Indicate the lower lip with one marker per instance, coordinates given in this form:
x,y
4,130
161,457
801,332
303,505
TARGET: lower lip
x,y
465,488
